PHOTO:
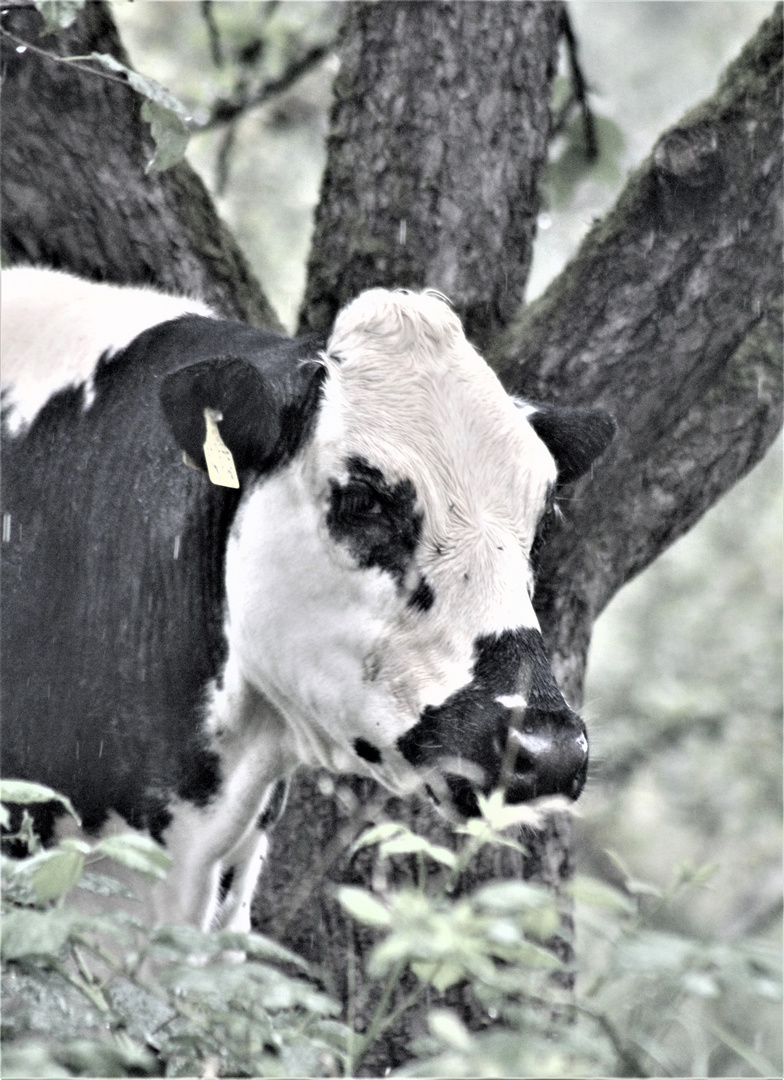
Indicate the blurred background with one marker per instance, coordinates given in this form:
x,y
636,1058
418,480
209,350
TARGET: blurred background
x,y
684,694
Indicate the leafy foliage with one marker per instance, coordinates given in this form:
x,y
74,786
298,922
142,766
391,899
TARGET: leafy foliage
x,y
176,1001
171,1000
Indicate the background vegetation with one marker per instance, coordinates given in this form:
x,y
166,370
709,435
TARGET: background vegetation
x,y
684,691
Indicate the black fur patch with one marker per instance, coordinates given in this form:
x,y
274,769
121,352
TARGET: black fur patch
x,y
423,597
471,725
377,521
368,751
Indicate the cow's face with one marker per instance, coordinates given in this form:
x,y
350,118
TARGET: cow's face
x,y
379,580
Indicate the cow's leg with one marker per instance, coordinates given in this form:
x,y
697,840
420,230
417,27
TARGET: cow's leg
x,y
244,863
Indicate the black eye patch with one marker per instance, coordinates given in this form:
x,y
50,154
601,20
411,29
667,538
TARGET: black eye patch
x,y
376,520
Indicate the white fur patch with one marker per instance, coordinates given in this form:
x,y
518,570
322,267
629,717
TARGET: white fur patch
x,y
512,701
83,321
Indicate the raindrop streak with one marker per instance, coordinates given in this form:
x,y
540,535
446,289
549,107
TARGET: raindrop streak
x,y
6,528
177,546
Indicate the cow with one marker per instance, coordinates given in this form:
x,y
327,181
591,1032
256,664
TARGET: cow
x,y
353,592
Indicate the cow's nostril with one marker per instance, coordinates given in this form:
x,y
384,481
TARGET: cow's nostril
x,y
550,758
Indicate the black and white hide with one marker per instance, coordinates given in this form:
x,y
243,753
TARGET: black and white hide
x,y
173,649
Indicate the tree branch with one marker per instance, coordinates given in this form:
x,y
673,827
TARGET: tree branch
x,y
673,324
99,214
244,98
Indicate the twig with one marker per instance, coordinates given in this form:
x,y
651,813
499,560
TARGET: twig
x,y
74,61
213,33
580,88
223,158
224,110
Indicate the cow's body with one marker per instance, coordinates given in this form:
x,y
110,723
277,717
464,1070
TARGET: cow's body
x,y
173,649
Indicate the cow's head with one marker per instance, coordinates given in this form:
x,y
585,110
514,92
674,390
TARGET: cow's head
x,y
379,569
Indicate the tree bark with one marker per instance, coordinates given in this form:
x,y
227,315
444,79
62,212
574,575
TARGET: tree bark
x,y
670,317
438,138
75,194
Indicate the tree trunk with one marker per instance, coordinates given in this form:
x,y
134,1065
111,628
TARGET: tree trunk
x,y
438,137
75,194
669,314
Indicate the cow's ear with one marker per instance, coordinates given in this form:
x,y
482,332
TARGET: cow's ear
x,y
263,412
575,437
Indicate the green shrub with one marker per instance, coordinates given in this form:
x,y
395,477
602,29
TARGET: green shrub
x,y
173,1002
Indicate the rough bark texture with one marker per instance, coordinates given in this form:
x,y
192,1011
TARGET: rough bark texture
x,y
670,313
670,317
75,194
438,136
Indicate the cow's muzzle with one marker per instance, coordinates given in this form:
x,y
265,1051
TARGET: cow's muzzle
x,y
541,753
509,728
547,754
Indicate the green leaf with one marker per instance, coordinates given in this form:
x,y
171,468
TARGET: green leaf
x,y
54,873
142,84
570,164
512,896
412,844
363,906
167,116
599,894
449,1029
58,14
22,791
186,940
35,933
542,922
137,853
258,947
170,134
377,833
441,975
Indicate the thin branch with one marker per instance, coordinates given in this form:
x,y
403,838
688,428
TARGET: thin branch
x,y
579,89
223,158
225,110
213,33
77,62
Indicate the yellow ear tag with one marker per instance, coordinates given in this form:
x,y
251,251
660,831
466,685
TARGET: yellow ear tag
x,y
220,463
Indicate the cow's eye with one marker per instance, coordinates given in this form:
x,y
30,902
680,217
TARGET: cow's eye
x,y
359,501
